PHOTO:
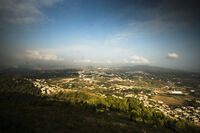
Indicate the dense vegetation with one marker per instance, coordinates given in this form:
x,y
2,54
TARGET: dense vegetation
x,y
23,109
16,84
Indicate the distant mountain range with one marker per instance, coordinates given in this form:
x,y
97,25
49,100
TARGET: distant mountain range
x,y
148,68
144,68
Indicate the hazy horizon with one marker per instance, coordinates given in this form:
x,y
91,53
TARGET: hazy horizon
x,y
68,33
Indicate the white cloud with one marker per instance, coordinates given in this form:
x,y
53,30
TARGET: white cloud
x,y
96,53
83,61
172,55
23,11
137,60
36,55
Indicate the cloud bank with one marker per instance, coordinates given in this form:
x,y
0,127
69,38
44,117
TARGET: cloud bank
x,y
137,60
83,61
36,55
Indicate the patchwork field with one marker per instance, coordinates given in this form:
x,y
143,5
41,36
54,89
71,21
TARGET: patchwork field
x,y
172,99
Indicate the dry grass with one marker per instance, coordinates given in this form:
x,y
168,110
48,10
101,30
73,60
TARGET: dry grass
x,y
172,99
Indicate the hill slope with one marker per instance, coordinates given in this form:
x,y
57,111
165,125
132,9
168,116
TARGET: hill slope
x,y
28,111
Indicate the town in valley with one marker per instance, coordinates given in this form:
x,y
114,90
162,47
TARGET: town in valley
x,y
175,93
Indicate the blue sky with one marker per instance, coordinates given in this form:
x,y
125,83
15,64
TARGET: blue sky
x,y
118,32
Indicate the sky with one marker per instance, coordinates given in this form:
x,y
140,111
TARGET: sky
x,y
36,33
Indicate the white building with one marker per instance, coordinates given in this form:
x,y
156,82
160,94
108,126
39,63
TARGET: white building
x,y
176,92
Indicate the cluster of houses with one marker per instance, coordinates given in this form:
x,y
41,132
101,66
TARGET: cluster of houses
x,y
188,113
185,112
46,89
